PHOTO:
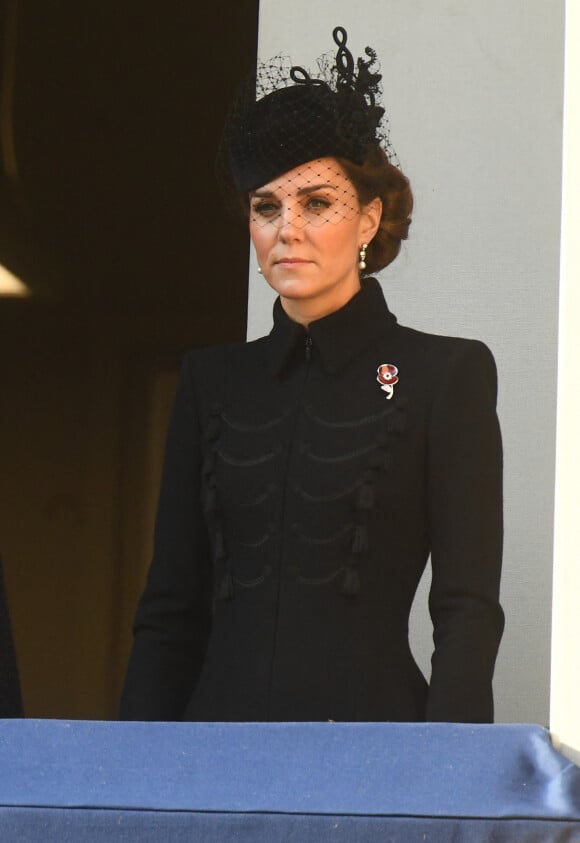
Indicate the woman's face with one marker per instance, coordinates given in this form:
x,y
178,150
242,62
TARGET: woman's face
x,y
307,227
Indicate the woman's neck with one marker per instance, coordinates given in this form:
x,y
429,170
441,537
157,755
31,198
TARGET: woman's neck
x,y
304,311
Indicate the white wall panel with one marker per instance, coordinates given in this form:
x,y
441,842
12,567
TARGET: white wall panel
x,y
473,90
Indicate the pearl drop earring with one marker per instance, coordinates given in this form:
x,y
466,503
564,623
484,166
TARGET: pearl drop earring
x,y
363,256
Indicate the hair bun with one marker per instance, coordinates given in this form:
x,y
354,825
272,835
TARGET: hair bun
x,y
398,229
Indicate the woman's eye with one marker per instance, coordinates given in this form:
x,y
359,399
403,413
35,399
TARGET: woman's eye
x,y
265,209
317,203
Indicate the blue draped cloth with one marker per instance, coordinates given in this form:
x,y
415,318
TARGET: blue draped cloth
x,y
340,782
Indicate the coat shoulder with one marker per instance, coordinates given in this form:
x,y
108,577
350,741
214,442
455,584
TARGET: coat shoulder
x,y
441,345
446,361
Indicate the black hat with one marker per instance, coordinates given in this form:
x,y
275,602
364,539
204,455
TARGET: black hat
x,y
298,118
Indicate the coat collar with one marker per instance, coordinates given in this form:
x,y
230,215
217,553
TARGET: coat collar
x,y
337,338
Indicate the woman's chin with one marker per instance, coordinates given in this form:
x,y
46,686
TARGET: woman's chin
x,y
291,288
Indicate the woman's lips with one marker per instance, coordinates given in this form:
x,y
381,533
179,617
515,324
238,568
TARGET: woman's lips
x,y
291,262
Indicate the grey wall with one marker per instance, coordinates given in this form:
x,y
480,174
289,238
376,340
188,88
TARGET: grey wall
x,y
473,90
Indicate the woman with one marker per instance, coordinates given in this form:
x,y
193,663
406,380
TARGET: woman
x,y
310,474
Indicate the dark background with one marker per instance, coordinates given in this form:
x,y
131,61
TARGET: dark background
x,y
112,217
117,110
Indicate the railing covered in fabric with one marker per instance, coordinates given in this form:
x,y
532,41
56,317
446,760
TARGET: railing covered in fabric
x,y
299,782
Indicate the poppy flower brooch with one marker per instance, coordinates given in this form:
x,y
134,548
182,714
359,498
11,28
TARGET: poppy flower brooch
x,y
387,377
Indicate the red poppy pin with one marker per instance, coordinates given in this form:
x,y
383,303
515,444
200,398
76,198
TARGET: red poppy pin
x,y
387,377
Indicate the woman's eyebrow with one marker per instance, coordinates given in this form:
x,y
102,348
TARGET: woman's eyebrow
x,y
311,188
263,193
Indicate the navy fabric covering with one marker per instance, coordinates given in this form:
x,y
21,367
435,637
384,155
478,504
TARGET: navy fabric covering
x,y
284,782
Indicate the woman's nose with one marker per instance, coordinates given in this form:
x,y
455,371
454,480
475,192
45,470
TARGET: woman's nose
x,y
291,222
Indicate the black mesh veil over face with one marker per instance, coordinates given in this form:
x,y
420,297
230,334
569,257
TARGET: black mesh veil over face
x,y
288,117
312,194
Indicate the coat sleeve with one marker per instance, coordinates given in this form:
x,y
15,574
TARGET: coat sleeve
x,y
466,530
173,618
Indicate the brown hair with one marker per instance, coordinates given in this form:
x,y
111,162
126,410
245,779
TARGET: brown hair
x,y
377,177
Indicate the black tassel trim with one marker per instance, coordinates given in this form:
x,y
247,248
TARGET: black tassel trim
x,y
350,581
220,546
365,497
213,429
360,541
210,500
397,421
214,424
212,506
208,464
226,586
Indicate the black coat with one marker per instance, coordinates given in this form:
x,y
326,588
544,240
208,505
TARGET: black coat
x,y
298,508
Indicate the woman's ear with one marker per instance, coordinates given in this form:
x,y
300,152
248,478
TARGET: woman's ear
x,y
370,219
